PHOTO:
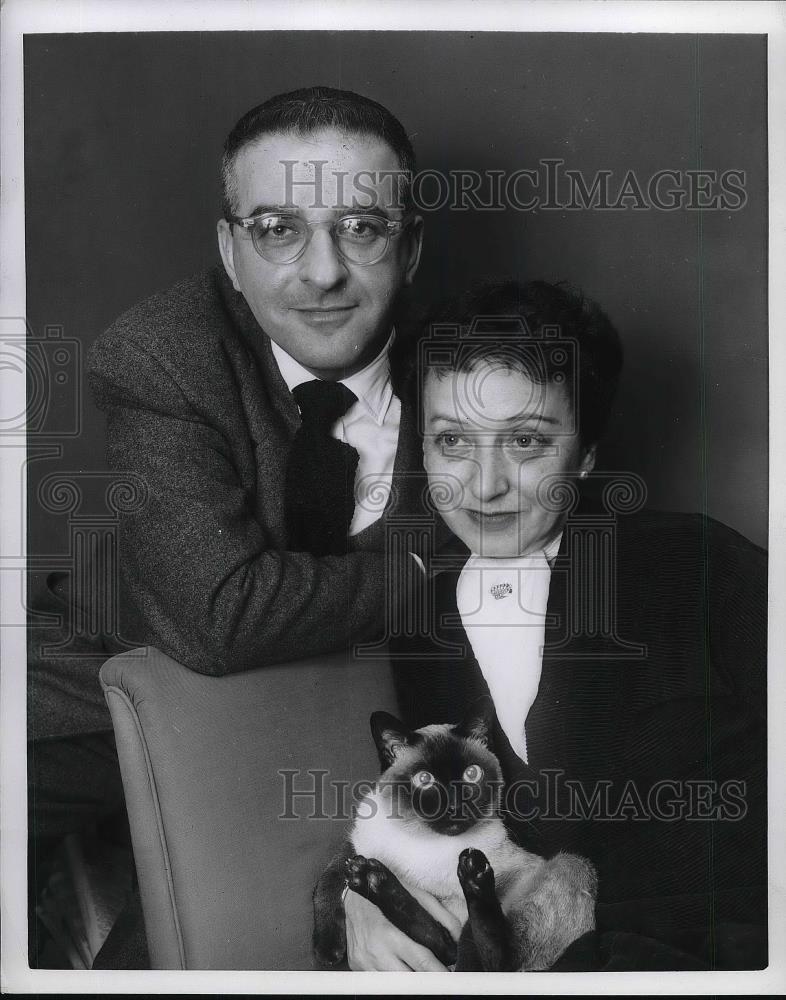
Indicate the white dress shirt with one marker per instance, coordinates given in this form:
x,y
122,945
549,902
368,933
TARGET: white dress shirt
x,y
370,425
502,603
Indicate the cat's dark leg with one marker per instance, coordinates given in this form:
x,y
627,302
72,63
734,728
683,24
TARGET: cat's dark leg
x,y
490,930
468,959
378,884
329,940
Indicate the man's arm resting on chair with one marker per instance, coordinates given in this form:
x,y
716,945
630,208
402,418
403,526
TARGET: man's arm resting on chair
x,y
217,593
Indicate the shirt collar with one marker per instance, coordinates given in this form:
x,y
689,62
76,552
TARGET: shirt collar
x,y
371,384
550,552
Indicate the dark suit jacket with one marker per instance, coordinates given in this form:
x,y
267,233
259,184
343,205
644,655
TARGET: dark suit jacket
x,y
199,413
652,701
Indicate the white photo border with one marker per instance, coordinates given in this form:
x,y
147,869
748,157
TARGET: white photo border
x,y
20,17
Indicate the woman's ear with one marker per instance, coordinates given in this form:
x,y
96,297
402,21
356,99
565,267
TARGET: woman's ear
x,y
588,461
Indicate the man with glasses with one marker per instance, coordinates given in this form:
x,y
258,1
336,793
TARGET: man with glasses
x,y
222,394
255,404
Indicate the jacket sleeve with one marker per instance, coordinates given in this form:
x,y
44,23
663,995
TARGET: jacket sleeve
x,y
209,585
707,870
736,579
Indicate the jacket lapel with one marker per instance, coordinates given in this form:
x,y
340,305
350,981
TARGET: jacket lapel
x,y
580,704
269,398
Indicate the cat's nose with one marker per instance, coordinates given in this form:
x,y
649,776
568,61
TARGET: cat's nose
x,y
454,805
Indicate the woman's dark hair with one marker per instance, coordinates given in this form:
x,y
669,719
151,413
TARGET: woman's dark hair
x,y
309,110
548,331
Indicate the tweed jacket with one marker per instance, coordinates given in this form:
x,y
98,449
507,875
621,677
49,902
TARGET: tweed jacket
x,y
198,411
647,738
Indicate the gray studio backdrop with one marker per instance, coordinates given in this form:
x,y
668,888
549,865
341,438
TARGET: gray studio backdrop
x,y
123,133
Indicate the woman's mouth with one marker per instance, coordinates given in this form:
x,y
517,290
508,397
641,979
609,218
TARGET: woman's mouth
x,y
499,521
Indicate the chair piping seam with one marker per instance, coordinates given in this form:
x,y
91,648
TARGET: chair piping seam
x,y
119,692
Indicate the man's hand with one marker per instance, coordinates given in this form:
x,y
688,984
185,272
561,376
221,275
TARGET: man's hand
x,y
375,945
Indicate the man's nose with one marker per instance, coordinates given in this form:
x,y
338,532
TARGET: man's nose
x,y
492,477
321,264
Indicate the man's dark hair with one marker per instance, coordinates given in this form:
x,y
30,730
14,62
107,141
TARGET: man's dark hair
x,y
305,111
485,324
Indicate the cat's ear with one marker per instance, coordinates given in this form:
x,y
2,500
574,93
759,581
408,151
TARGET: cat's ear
x,y
390,736
478,723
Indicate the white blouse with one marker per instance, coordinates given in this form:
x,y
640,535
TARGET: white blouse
x,y
502,603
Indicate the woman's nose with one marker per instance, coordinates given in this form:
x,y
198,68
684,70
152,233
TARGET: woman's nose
x,y
321,264
491,476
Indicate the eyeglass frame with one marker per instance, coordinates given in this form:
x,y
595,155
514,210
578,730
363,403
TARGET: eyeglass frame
x,y
393,228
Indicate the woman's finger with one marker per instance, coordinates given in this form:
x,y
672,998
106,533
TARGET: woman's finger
x,y
439,912
375,944
418,958
389,963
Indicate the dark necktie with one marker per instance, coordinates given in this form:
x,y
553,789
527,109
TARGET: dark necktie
x,y
320,479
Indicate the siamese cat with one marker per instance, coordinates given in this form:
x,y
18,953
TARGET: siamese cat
x,y
433,822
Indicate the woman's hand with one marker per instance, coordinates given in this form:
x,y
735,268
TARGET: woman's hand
x,y
375,945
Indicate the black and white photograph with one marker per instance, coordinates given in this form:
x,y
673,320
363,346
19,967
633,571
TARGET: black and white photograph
x,y
392,482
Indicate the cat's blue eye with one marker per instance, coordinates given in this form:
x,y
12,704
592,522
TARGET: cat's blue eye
x,y
473,774
422,779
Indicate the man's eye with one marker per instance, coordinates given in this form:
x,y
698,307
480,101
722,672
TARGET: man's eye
x,y
361,230
275,229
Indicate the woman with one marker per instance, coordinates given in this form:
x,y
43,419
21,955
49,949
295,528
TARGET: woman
x,y
624,649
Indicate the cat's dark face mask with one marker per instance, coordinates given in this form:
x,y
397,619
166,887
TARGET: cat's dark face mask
x,y
445,777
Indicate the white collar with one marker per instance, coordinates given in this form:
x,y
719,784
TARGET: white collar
x,y
371,384
550,551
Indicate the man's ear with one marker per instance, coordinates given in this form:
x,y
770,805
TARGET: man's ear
x,y
478,723
390,736
226,247
415,236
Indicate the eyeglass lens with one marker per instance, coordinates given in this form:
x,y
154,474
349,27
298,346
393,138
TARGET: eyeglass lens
x,y
280,238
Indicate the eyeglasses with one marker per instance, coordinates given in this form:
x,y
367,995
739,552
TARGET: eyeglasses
x,y
282,238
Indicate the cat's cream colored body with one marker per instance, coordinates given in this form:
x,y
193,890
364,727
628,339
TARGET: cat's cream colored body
x,y
427,860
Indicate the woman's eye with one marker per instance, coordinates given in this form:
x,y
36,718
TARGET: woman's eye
x,y
452,442
528,442
422,779
473,774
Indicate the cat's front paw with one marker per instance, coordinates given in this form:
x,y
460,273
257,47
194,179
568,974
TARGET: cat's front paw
x,y
367,876
475,873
